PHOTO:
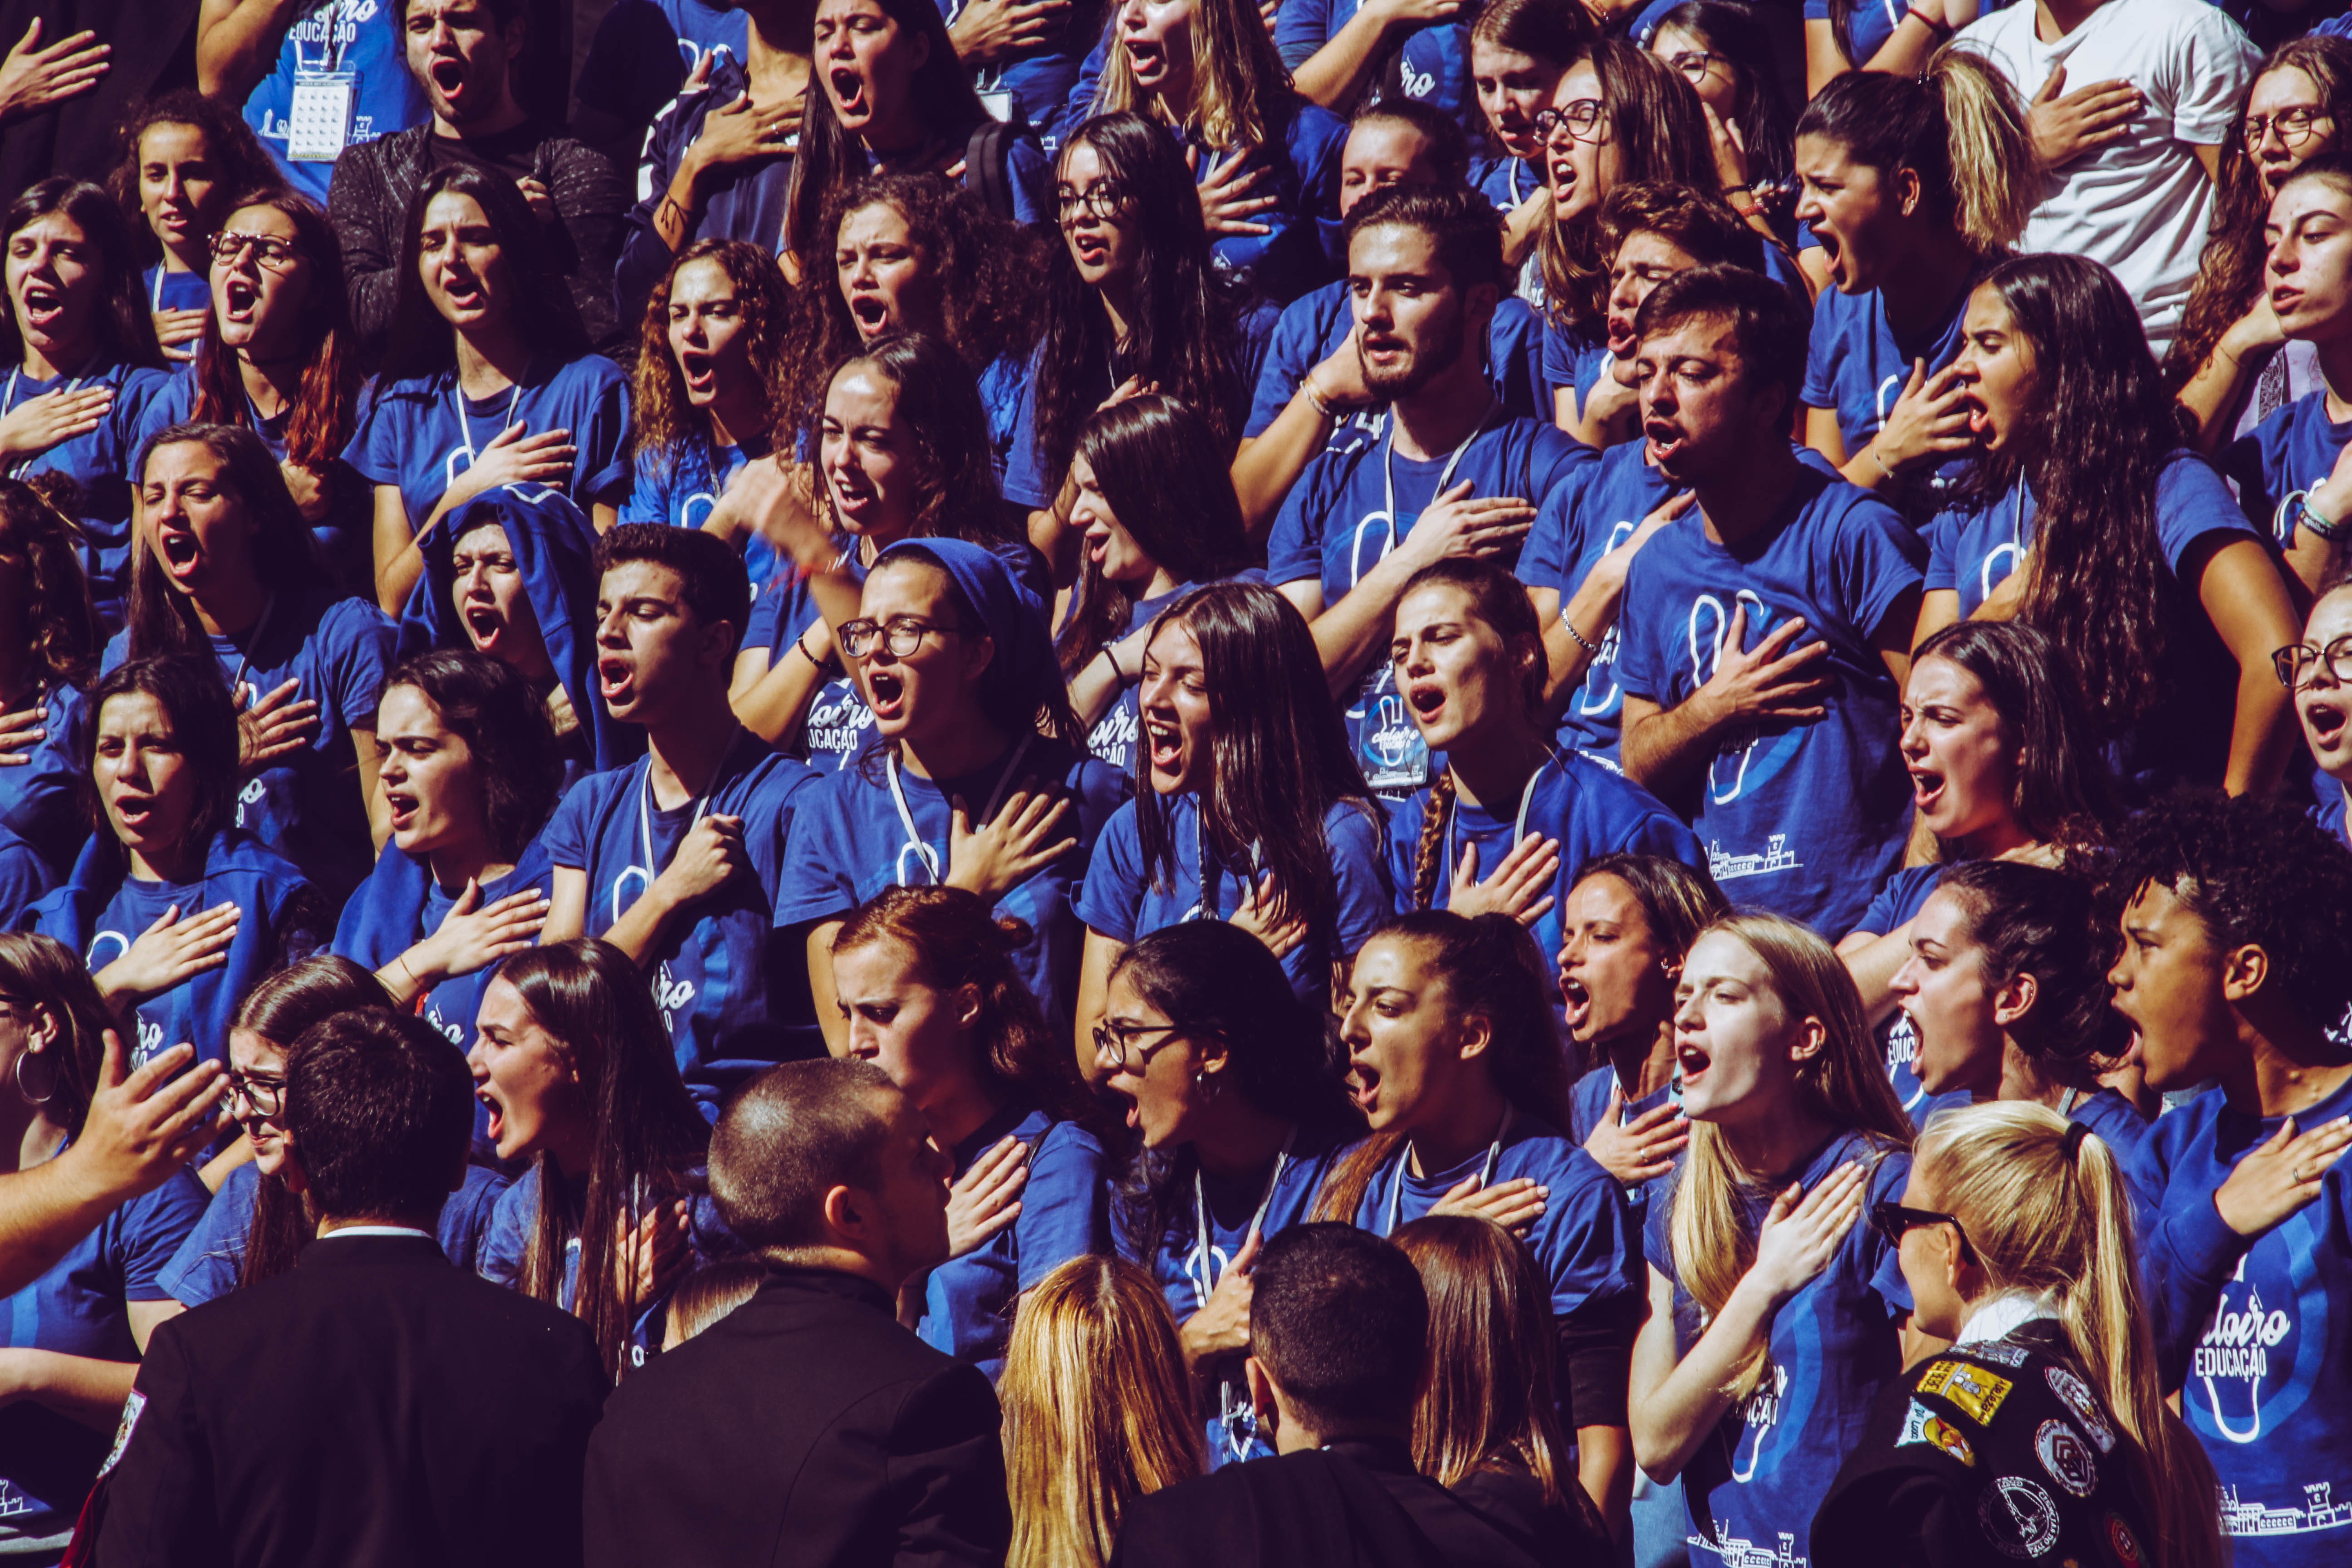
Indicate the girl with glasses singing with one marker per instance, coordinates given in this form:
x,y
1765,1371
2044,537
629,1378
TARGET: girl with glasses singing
x,y
2318,671
184,157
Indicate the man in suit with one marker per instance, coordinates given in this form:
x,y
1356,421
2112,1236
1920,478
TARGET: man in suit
x,y
1339,1354
807,1427
377,1405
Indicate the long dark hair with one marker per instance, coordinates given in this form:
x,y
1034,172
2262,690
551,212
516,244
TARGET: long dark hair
x,y
1491,968
2063,794
1759,110
280,1010
422,341
1163,472
126,331
320,424
2090,451
659,415
64,633
589,994
1180,328
42,971
2032,920
2229,273
1280,750
234,151
162,619
941,91
941,403
493,710
1214,978
195,703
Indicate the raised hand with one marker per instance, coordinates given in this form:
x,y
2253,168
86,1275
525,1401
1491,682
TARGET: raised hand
x,y
1257,917
987,1198
1804,1230
512,458
735,134
539,199
1222,1325
142,1126
174,328
1767,684
651,1252
1929,423
34,77
474,935
1517,887
20,732
1641,1150
313,490
1229,202
37,423
2064,128
988,31
1027,834
1459,525
2282,1175
1514,1205
170,951
711,852
273,727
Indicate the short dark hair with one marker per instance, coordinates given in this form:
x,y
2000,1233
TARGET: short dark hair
x,y
380,1109
2258,873
712,576
1698,224
1461,224
1770,329
1339,1317
790,1136
1449,145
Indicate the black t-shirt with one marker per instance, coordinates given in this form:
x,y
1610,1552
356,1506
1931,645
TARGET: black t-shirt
x,y
509,153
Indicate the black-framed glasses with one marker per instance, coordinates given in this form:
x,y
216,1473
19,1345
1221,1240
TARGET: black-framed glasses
x,y
271,251
2294,126
2298,664
265,1096
1580,118
1892,1219
1106,199
1694,63
902,634
1115,1043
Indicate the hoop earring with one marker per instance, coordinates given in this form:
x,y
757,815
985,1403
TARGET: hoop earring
x,y
1209,1088
29,1099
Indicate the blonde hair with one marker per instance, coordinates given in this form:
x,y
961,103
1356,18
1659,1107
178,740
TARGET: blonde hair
x,y
1097,1409
2062,1228
1240,86
1843,1085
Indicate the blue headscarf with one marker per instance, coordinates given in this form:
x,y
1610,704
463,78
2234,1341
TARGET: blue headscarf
x,y
1023,677
555,547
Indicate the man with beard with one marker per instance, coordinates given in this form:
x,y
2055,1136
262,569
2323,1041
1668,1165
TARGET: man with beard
x,y
461,54
1450,475
1765,633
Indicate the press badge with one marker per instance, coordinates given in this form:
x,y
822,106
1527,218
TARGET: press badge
x,y
319,121
1389,746
998,102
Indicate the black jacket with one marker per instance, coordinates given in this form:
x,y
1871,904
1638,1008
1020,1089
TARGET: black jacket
x,y
376,1407
804,1427
369,198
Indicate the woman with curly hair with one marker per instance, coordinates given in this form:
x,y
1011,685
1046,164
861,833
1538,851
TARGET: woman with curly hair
x,y
48,655
184,158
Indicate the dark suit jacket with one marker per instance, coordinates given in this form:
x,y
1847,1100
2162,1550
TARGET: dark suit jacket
x,y
377,1405
804,1427
1354,1503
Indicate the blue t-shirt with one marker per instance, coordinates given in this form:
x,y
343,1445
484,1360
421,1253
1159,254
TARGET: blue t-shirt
x,y
1507,181
968,1302
422,433
47,1461
2186,738
731,999
209,1262
849,843
1594,512
1869,25
1343,515
2116,1121
101,912
683,487
1834,1346
1857,367
2255,1334
1430,64
310,805
402,903
26,877
2294,449
1589,810
1122,903
1038,79
1809,819
1575,358
1588,1103
2329,810
1314,326
1213,1216
100,463
359,38
644,50
743,201
41,798
1903,896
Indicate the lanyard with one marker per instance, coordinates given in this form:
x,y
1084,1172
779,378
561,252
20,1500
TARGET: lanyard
x,y
923,851
252,641
1519,824
1388,492
702,801
1209,876
155,295
336,43
1485,1171
466,426
1205,1282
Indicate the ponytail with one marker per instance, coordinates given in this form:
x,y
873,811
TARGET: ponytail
x,y
1958,127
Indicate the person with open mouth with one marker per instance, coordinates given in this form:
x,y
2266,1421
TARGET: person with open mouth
x,y
83,362
675,857
1248,807
185,157
574,1068
2318,671
1453,1057
1905,243
1775,1316
1996,744
899,455
1236,1124
1518,51
470,770
976,778
178,912
2104,534
486,380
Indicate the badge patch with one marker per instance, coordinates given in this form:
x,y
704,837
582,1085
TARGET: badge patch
x,y
2076,1396
2067,1457
2019,1518
2120,1542
131,1409
1923,1426
1976,1392
1997,1351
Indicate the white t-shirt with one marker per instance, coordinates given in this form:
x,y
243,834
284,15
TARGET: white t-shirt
x,y
2141,204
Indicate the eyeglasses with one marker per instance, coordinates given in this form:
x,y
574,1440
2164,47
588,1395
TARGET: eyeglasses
x,y
1106,199
264,1096
271,251
1891,1220
2298,664
903,635
2294,126
1581,118
1694,63
1115,1044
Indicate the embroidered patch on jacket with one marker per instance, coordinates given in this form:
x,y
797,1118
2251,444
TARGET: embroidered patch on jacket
x,y
2076,1396
1976,1392
2067,1457
1923,1426
2019,1518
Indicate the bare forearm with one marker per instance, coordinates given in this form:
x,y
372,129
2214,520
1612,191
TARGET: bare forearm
x,y
1873,961
1336,73
638,930
1671,1420
1094,688
2262,732
43,1211
235,48
674,213
86,1391
2215,394
1352,633
777,704
1663,751
1270,463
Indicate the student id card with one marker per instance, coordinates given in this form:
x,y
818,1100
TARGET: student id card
x,y
319,121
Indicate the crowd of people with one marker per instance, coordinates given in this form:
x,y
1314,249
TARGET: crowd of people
x,y
1151,782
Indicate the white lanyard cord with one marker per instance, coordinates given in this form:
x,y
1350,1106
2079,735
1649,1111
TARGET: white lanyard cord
x,y
1485,1171
466,426
252,641
1519,824
8,406
702,801
1205,1282
915,840
1388,488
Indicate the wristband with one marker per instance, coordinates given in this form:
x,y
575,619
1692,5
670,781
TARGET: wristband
x,y
801,642
2312,519
1586,642
1315,401
1116,674
1873,450
1934,23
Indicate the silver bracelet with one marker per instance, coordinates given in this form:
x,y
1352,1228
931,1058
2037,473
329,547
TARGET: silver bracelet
x,y
1586,642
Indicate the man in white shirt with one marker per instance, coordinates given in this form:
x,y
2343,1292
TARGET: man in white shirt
x,y
2134,152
